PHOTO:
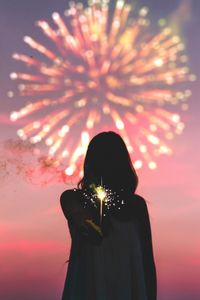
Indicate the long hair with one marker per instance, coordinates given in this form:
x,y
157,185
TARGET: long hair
x,y
107,160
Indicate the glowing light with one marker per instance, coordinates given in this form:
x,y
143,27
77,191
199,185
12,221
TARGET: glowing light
x,y
65,153
175,118
36,124
125,79
85,139
137,164
101,193
10,94
158,62
70,170
153,139
14,116
143,148
20,132
119,124
152,165
35,139
49,141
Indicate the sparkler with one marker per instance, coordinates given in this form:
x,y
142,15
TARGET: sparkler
x,y
107,198
103,73
101,195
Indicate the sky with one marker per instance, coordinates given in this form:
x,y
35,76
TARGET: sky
x,y
34,237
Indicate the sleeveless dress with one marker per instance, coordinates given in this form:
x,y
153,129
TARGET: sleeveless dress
x,y
112,267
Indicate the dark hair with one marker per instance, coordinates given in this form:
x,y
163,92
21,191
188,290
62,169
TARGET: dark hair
x,y
107,159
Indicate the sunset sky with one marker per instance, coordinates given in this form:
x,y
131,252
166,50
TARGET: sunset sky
x,y
34,237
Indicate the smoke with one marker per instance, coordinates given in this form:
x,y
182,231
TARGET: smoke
x,y
22,159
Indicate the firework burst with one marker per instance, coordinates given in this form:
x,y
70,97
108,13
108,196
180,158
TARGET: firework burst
x,y
102,71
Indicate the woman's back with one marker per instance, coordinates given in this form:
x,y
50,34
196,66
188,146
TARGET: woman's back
x,y
111,267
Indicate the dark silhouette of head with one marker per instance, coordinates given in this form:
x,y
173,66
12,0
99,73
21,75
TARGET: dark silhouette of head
x,y
107,159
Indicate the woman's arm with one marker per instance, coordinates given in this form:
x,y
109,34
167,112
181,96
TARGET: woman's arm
x,y
148,256
79,216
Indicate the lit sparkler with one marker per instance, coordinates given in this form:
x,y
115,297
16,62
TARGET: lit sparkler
x,y
101,195
103,73
103,198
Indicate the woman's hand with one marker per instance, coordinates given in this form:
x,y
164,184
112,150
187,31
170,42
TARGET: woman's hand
x,y
94,226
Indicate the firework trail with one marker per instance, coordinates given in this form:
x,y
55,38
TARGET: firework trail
x,y
102,71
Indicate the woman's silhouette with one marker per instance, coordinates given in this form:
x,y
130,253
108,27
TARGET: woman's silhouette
x,y
111,255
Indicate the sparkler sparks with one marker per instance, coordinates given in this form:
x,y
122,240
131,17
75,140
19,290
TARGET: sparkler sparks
x,y
103,198
103,72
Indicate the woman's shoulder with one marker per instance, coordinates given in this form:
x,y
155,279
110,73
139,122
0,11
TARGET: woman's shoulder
x,y
69,195
138,198
140,202
69,192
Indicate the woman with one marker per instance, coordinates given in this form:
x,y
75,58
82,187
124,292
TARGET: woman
x,y
111,255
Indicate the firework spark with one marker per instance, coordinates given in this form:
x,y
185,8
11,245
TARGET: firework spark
x,y
104,71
